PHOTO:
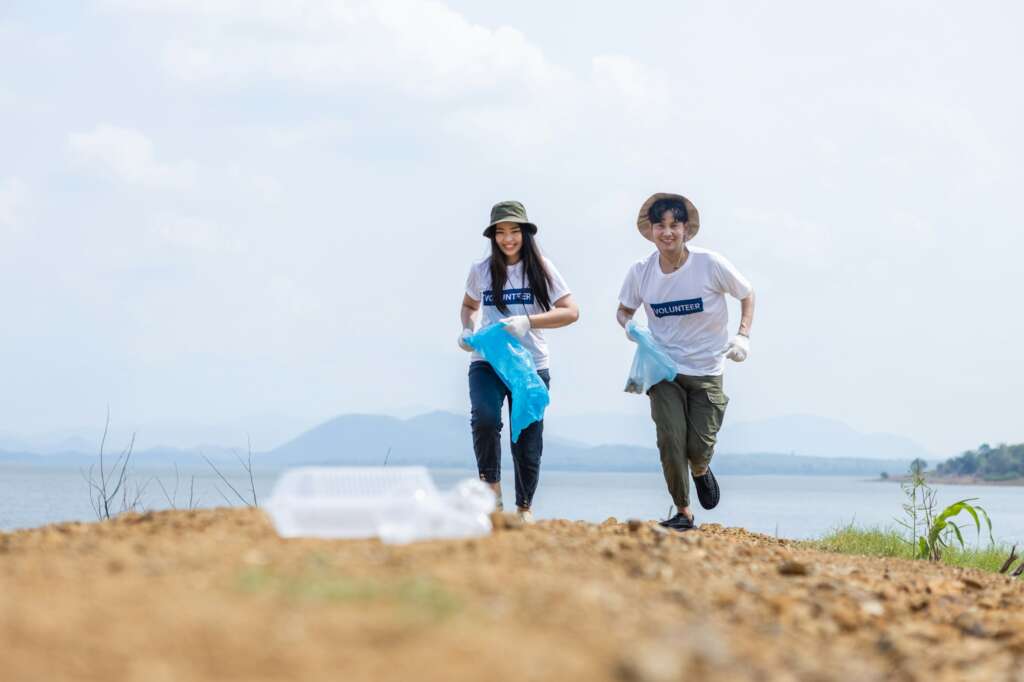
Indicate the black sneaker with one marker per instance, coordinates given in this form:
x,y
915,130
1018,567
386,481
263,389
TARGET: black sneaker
x,y
680,522
707,489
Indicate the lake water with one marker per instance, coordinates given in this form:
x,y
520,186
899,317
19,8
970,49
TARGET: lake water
x,y
789,506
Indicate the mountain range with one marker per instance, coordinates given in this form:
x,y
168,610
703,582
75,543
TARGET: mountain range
x,y
796,444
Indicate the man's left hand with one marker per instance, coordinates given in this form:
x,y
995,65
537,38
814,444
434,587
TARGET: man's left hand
x,y
738,348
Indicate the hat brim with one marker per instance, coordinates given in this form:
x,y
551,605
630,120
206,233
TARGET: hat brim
x,y
643,223
489,230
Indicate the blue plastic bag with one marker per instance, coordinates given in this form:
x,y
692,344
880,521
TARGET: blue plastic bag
x,y
651,364
514,364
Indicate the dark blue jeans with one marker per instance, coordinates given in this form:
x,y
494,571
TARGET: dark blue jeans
x,y
487,393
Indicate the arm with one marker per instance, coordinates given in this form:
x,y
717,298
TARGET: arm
x,y
468,311
623,315
739,345
562,314
746,314
728,280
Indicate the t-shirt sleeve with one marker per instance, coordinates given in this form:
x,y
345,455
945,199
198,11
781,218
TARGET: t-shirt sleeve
x,y
558,287
629,295
473,283
728,279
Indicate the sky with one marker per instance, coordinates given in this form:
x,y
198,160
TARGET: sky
x,y
253,216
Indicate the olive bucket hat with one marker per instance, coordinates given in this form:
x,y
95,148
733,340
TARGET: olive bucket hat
x,y
643,222
509,212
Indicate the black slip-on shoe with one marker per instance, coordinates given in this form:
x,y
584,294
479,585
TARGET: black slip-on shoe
x,y
707,489
680,522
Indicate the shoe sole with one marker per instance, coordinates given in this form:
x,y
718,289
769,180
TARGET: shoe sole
x,y
709,499
680,528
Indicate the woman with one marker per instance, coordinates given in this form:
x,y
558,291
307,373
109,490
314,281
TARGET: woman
x,y
533,296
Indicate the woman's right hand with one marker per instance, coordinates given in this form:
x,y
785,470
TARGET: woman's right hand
x,y
466,333
629,327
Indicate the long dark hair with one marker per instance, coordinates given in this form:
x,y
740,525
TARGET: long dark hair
x,y
533,265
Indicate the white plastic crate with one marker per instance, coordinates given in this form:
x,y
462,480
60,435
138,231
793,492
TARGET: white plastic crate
x,y
397,504
346,502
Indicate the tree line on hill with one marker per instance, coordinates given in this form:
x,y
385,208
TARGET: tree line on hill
x,y
991,464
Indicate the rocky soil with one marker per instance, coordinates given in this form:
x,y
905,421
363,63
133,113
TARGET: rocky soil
x,y
217,595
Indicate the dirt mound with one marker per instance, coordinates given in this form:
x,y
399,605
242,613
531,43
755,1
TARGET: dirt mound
x,y
216,595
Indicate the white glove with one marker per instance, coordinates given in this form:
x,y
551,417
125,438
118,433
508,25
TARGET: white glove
x,y
517,325
466,333
738,348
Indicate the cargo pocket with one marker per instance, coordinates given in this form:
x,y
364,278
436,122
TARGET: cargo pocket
x,y
716,415
705,416
716,396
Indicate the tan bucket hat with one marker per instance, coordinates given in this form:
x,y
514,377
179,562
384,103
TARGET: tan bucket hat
x,y
643,223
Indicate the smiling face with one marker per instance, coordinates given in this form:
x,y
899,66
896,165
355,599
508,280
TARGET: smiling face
x,y
670,234
509,237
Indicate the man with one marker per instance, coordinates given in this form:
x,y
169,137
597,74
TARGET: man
x,y
683,292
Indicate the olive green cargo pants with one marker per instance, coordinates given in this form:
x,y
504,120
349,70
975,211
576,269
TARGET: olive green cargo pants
x,y
687,413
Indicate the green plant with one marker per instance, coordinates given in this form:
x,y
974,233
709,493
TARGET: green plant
x,y
930,532
919,509
882,541
870,541
943,529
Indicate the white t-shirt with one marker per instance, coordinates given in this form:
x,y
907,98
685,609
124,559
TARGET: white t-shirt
x,y
686,310
519,300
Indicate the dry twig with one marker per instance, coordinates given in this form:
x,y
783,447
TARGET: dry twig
x,y
1009,560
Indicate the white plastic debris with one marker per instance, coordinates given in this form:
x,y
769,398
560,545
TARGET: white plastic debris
x,y
396,504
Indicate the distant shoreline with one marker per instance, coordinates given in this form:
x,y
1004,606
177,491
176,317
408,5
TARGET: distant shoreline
x,y
956,480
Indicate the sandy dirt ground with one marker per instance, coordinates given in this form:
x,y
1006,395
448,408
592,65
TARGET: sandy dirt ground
x,y
217,595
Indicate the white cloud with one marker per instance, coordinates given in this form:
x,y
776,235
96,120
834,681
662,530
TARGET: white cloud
x,y
503,84
630,79
13,198
785,239
128,155
291,300
293,137
247,183
524,129
196,234
8,100
420,46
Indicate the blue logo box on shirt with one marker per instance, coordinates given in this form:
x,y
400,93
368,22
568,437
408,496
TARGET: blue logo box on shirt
x,y
687,307
510,296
